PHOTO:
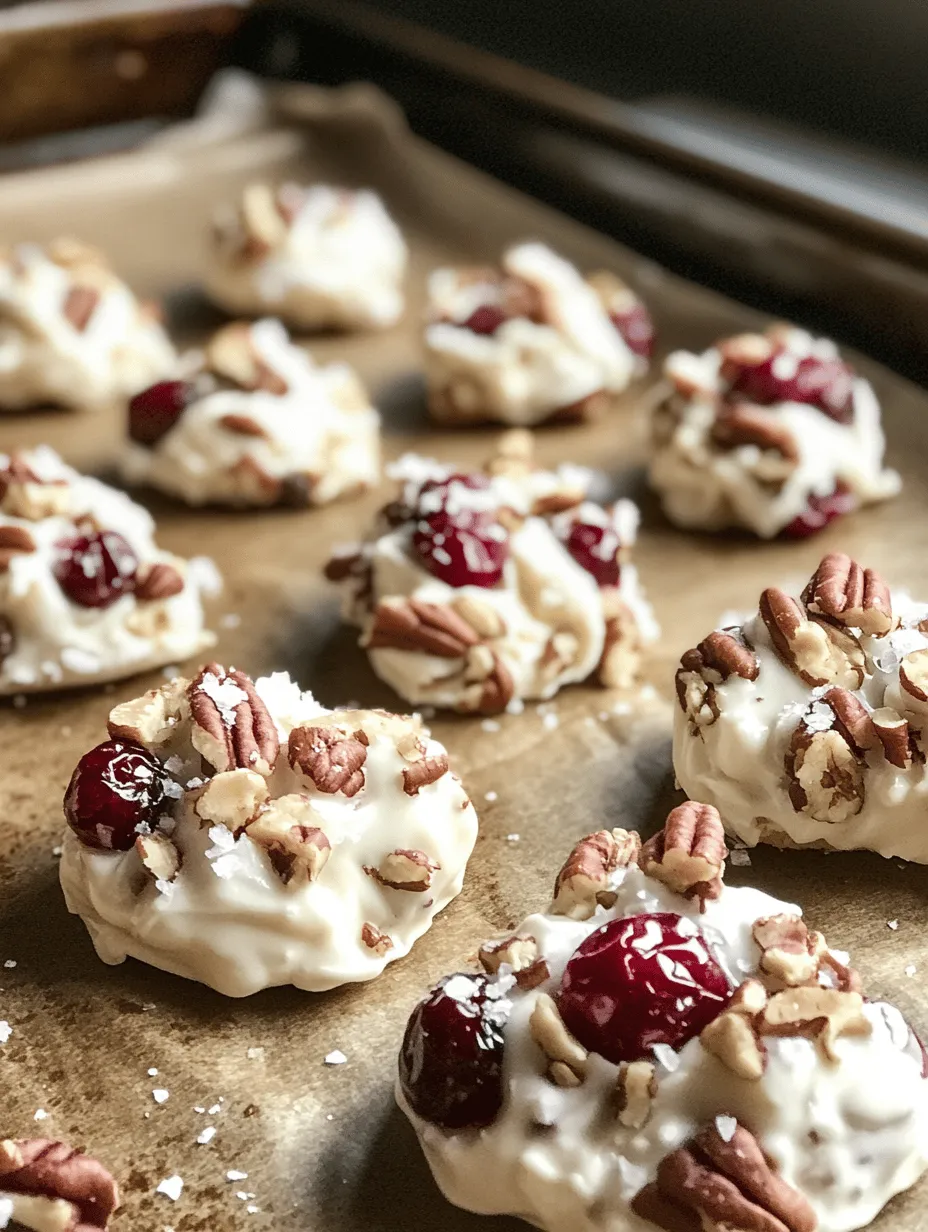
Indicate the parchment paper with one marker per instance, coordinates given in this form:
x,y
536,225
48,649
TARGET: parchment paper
x,y
323,1148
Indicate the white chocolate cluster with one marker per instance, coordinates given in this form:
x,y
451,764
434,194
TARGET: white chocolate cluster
x,y
558,352
837,1106
263,425
49,641
724,459
298,845
318,257
815,732
72,334
546,623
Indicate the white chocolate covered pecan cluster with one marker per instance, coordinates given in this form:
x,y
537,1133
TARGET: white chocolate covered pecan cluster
x,y
773,433
808,724
660,1050
254,422
531,341
85,593
318,257
238,833
72,334
478,589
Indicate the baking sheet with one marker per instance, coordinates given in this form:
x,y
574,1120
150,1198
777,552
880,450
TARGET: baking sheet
x,y
322,1145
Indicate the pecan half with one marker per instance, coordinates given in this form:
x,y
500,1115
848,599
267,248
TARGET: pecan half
x,y
742,424
817,652
826,777
843,591
14,541
789,952
898,741
50,1185
733,1037
159,856
298,851
635,1088
723,1181
423,772
689,854
79,306
495,688
852,720
405,870
160,581
375,940
822,1014
565,1056
230,798
430,628
584,879
231,726
243,425
520,954
332,758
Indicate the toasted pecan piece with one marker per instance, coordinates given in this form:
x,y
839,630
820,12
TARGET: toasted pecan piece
x,y
845,592
689,854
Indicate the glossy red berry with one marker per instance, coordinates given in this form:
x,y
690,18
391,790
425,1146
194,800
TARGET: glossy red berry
x,y
641,981
636,328
596,549
458,535
486,319
451,1061
97,569
819,512
116,788
155,410
827,384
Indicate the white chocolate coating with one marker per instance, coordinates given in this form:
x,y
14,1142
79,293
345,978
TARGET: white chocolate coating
x,y
704,487
46,358
560,1159
331,259
229,921
737,761
322,433
57,643
526,371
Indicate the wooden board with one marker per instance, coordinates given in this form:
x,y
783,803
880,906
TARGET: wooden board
x,y
323,1147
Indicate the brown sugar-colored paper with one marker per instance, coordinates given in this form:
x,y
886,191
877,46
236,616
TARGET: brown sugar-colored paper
x,y
322,1146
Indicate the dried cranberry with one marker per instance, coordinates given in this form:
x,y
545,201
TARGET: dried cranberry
x,y
827,384
596,549
154,411
485,320
458,535
97,569
636,329
116,788
451,1061
819,512
634,983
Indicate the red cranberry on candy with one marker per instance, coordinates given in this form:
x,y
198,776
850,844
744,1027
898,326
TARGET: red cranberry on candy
x,y
636,329
94,570
116,787
485,320
154,411
827,384
634,983
451,1061
819,512
458,537
595,548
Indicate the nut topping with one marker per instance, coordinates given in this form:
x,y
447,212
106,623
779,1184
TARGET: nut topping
x,y
423,772
51,1186
826,776
913,680
822,1014
231,354
24,495
243,425
852,720
520,954
733,1037
432,628
332,758
566,1057
896,738
159,856
297,850
689,854
789,952
817,652
231,726
743,424
150,720
79,306
843,591
14,541
635,1088
723,1182
583,882
375,940
405,870
160,581
231,798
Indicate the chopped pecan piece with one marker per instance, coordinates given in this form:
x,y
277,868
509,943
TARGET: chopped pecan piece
x,y
635,1088
405,870
896,738
495,688
243,425
583,882
159,581
50,1185
852,720
231,726
297,850
826,775
819,653
482,617
152,719
789,952
375,940
689,854
566,1057
733,1037
742,424
430,628
79,306
24,495
331,757
822,1014
159,856
843,591
424,771
14,541
231,798
520,954
723,1180
231,354
913,680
